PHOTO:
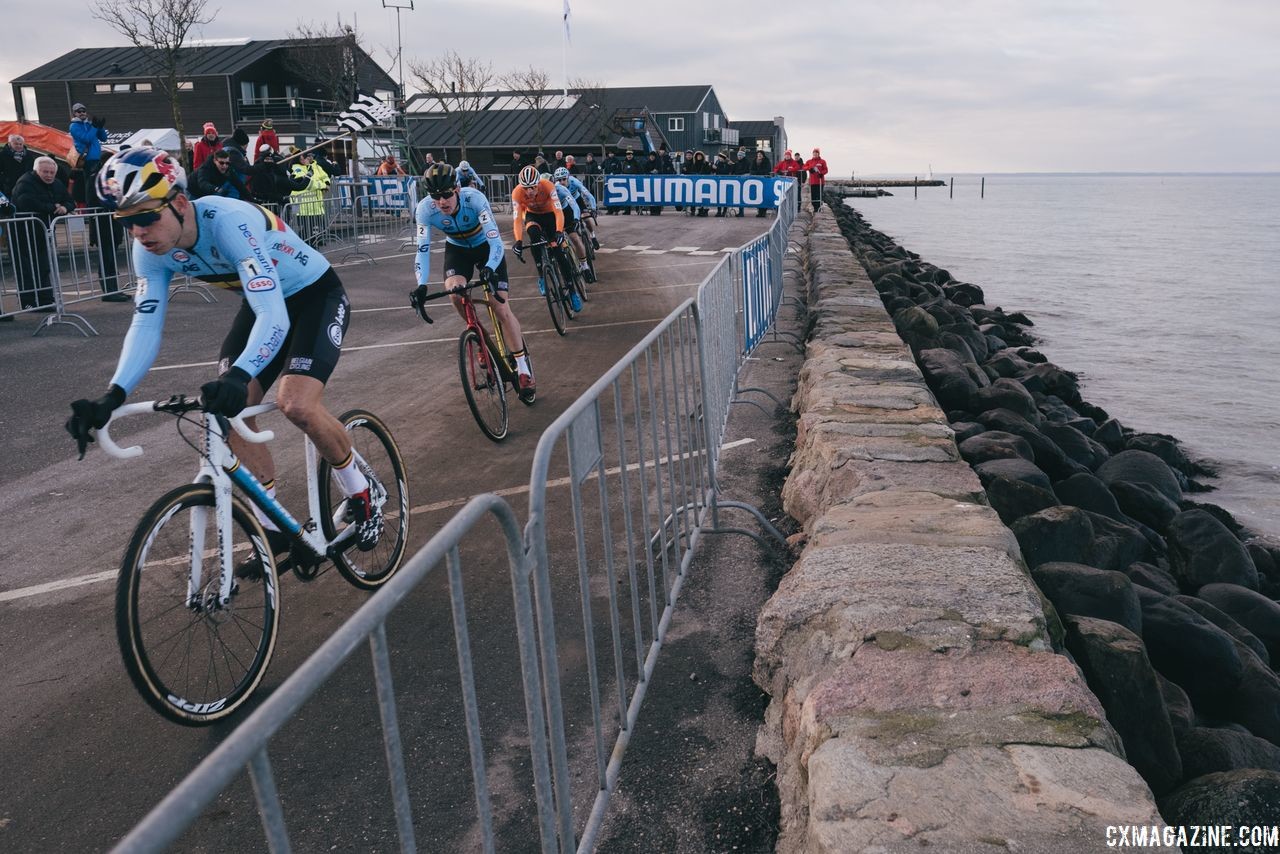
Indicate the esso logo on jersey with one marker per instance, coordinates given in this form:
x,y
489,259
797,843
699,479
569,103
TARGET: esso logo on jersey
x,y
262,283
180,256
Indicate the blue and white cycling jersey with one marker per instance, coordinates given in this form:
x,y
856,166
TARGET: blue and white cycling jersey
x,y
467,177
239,246
579,191
567,202
470,225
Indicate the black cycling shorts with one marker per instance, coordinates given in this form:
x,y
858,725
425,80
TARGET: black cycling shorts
x,y
318,318
465,260
545,221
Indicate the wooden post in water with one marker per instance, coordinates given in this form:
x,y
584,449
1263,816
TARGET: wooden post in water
x,y
951,194
984,187
915,182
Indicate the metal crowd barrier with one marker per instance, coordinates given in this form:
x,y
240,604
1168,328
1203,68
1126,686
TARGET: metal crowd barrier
x,y
639,455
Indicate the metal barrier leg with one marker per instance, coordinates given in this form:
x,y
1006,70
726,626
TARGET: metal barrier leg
x,y
264,788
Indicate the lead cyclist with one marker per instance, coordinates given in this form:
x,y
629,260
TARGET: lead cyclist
x,y
292,319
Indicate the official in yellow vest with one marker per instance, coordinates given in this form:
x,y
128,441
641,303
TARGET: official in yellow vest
x,y
309,202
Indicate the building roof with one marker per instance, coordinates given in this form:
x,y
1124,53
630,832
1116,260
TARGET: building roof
x,y
755,129
659,99
107,62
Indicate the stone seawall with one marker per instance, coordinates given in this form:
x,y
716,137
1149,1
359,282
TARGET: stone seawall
x,y
916,695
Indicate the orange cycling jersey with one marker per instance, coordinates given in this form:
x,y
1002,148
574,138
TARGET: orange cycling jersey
x,y
541,199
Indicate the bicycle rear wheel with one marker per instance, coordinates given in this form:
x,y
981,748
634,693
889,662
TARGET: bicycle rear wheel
x,y
556,286
573,276
483,384
194,659
379,458
591,252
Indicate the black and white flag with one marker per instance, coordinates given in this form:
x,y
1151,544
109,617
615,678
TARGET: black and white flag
x,y
365,112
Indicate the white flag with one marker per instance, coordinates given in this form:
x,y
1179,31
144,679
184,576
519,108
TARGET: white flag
x,y
566,21
365,112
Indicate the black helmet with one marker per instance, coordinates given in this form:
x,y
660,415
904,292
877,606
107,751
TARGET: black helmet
x,y
440,178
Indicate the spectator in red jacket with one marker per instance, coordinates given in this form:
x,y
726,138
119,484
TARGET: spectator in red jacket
x,y
817,168
205,146
267,136
787,168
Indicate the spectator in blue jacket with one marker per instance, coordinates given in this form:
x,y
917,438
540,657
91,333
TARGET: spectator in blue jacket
x,y
87,134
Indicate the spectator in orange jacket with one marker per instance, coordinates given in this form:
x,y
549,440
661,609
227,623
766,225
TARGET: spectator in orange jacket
x,y
817,168
389,166
205,146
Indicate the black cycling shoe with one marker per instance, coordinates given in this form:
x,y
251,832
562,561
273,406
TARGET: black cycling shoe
x,y
280,543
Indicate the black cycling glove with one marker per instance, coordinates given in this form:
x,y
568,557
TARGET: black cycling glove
x,y
87,415
418,299
227,394
518,249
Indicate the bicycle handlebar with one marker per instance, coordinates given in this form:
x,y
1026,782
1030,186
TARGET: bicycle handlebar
x,y
177,405
458,290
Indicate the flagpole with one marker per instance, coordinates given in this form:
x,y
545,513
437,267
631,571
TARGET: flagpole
x,y
564,45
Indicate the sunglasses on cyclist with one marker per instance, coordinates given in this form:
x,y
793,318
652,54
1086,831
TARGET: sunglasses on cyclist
x,y
446,194
143,219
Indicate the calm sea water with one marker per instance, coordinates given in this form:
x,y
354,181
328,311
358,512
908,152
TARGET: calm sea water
x,y
1161,292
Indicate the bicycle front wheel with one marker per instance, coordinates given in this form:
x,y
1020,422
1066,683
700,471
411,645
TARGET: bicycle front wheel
x,y
555,305
194,658
483,385
379,458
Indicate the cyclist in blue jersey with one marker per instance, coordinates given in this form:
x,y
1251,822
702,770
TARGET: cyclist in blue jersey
x,y
471,241
292,319
581,195
467,177
572,213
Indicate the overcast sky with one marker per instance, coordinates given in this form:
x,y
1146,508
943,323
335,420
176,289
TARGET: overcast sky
x,y
881,87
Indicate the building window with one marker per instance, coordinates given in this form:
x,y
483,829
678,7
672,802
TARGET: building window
x,y
246,92
706,120
716,121
122,87
142,87
102,88
185,85
29,109
675,123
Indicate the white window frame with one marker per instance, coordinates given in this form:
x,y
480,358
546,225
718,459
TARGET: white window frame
x,y
185,85
142,87
675,123
102,88
30,109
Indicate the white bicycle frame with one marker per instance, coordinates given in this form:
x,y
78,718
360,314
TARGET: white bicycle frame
x,y
220,467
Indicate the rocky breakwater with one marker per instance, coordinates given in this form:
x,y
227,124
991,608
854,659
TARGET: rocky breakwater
x,y
1168,605
917,697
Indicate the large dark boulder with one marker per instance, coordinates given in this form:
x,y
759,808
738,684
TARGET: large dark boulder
x,y
1256,701
948,377
1191,651
962,293
965,430
1256,613
917,328
1224,621
1243,798
1055,534
969,334
1015,468
1166,448
1085,491
1007,364
1048,456
1116,545
1141,467
1013,499
1116,667
995,445
1181,715
1206,750
1075,444
1202,551
1051,379
1083,591
1006,394
956,344
1152,577
1264,560
1110,433
1144,502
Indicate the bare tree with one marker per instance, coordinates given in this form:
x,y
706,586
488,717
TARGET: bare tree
x,y
159,29
594,108
327,56
458,85
529,86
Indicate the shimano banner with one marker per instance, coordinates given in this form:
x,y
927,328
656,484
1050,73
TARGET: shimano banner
x,y
706,191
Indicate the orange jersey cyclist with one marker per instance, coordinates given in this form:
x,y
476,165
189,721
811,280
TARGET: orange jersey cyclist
x,y
292,319
535,204
471,242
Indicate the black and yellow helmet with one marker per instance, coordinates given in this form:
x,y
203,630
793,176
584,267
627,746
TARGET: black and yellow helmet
x,y
440,178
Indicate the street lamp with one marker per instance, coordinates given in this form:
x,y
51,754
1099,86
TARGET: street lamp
x,y
402,4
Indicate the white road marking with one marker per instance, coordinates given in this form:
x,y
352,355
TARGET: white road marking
x,y
684,248
703,252
108,575
605,251
652,252
632,247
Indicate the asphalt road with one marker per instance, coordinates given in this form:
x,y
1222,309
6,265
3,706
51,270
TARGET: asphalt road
x,y
83,759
